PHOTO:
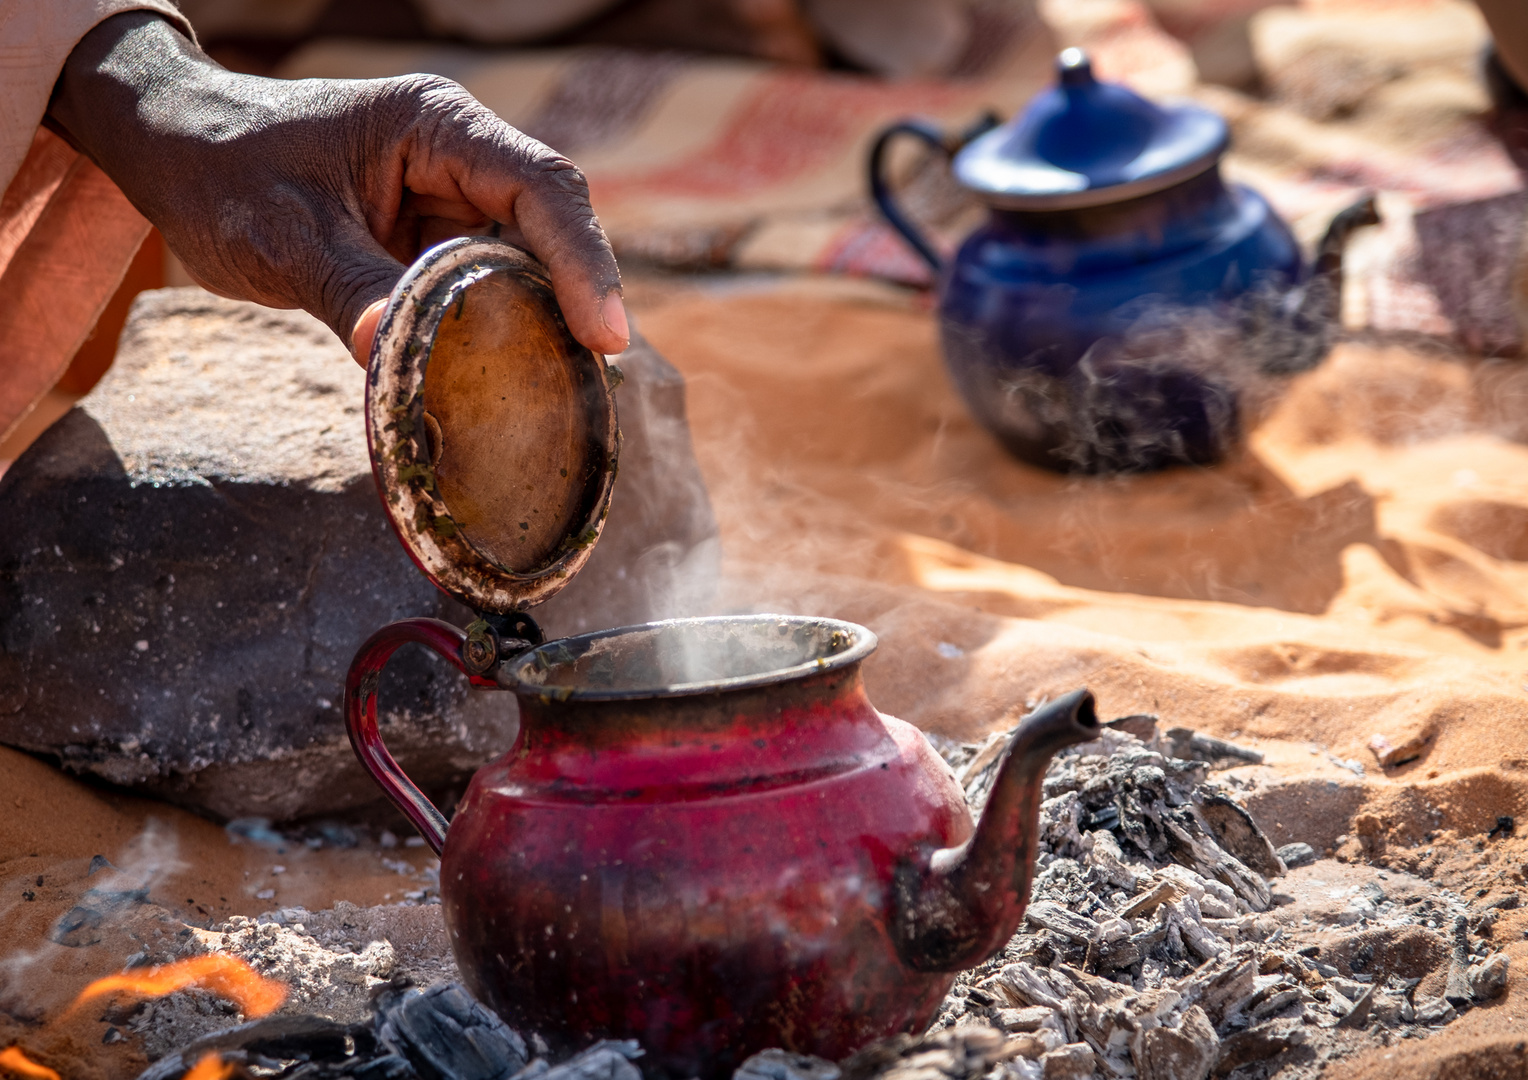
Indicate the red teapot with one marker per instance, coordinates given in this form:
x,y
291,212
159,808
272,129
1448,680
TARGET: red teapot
x,y
705,836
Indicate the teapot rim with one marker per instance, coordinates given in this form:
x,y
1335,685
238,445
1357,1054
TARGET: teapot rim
x,y
861,642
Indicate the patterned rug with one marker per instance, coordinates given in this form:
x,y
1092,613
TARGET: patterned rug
x,y
700,162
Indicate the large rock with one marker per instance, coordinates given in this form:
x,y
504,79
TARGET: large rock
x,y
195,552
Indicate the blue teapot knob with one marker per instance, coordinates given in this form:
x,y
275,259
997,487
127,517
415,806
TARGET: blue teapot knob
x,y
1073,68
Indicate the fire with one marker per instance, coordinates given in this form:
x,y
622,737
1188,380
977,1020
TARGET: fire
x,y
210,1067
226,976
13,1060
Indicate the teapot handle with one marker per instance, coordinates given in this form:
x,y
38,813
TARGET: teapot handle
x,y
880,190
361,714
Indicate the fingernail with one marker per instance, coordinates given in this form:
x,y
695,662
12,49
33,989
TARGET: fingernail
x,y
613,315
365,332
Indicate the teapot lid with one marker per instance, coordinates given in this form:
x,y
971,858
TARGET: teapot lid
x,y
1086,143
492,431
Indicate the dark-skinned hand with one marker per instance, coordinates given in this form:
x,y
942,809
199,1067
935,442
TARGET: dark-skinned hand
x,y
315,193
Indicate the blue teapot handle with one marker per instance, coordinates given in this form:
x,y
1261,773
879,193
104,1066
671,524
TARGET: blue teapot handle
x,y
880,190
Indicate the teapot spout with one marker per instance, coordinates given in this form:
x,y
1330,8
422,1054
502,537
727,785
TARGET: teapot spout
x,y
966,902
1312,313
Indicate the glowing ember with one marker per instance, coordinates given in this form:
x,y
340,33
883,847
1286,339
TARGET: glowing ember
x,y
210,1067
226,976
13,1060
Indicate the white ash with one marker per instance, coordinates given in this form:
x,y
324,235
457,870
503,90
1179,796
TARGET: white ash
x,y
1157,945
332,962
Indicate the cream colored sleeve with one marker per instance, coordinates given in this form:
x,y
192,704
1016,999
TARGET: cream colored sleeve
x,y
36,37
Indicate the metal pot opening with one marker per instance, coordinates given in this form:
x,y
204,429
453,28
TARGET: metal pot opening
x,y
680,657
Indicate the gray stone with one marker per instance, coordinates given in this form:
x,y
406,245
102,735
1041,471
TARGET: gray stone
x,y
1293,855
196,551
1488,979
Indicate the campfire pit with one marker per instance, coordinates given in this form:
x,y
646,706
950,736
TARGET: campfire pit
x,y
1127,958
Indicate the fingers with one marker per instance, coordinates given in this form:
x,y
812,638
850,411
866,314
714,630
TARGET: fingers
x,y
518,181
553,213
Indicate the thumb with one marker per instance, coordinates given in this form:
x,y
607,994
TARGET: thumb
x,y
353,277
365,331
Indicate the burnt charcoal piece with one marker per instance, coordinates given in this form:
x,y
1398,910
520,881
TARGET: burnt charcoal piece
x,y
76,927
279,1046
1504,826
446,1035
605,1060
1260,1043
1457,992
1142,725
1191,745
784,1065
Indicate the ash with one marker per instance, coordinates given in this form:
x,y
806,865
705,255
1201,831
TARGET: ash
x,y
1166,939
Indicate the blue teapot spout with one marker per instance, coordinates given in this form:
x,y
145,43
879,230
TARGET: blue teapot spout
x,y
1299,336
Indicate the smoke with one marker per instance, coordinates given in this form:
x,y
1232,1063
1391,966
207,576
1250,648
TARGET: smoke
x,y
110,895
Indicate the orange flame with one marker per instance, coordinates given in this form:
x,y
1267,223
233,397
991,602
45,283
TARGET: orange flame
x,y
210,1067
226,976
13,1060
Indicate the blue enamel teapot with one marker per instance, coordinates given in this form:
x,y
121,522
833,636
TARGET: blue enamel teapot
x,y
1122,301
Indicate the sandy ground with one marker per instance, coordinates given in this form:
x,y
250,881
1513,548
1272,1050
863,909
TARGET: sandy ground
x,y
1360,570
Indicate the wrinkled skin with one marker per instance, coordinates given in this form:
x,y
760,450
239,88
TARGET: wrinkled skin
x,y
314,194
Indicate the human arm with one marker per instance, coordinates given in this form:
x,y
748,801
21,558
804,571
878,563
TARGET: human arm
x,y
315,193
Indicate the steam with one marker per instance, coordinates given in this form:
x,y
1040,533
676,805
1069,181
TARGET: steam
x,y
1180,385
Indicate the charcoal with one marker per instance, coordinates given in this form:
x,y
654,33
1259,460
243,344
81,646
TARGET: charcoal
x,y
296,1039
1074,1061
1239,834
446,1035
1059,919
1160,893
612,1060
783,1065
1151,900
1142,725
1261,1043
1024,1021
1357,1016
1186,1052
1458,992
77,927
1195,746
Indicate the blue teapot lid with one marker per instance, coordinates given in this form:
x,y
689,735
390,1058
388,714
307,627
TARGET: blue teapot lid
x,y
1087,143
